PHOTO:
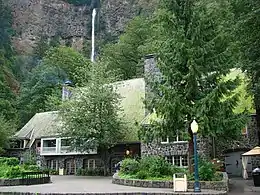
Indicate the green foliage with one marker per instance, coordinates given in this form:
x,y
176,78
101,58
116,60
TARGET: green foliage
x,y
30,167
148,167
41,83
207,170
13,172
69,61
9,161
92,119
129,166
10,168
247,32
126,55
8,83
194,53
6,131
90,172
29,158
157,168
142,174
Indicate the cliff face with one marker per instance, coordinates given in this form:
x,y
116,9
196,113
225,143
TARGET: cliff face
x,y
34,19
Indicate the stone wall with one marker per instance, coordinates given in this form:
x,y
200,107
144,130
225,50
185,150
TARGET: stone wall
x,y
168,149
213,185
176,148
31,181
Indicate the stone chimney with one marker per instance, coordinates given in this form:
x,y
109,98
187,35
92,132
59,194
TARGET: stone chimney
x,y
151,74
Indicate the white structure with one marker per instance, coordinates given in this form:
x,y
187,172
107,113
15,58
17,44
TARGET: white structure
x,y
58,146
180,184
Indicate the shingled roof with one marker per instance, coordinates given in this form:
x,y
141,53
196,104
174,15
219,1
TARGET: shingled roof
x,y
47,124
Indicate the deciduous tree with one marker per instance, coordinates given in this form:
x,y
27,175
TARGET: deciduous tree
x,y
91,118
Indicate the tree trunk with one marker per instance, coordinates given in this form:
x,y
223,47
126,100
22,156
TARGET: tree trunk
x,y
191,151
104,159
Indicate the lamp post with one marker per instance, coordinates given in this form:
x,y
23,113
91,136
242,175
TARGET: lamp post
x,y
195,128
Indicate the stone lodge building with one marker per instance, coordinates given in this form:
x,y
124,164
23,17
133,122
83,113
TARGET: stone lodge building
x,y
40,136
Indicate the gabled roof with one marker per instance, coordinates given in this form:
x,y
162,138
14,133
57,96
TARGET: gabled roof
x,y
47,124
41,125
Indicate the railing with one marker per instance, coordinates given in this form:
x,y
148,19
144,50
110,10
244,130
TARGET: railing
x,y
65,149
31,178
49,149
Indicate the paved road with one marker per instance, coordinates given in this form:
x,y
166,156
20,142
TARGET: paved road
x,y
243,187
72,184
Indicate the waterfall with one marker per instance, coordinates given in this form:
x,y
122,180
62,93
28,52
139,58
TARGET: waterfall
x,y
94,13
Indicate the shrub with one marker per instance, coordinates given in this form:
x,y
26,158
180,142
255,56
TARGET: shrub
x,y
33,168
160,167
90,172
9,161
157,166
13,172
142,175
129,166
207,171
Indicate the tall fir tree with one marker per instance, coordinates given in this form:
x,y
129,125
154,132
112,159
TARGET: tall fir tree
x,y
194,52
247,15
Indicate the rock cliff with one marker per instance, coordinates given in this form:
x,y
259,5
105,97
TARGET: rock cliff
x,y
34,19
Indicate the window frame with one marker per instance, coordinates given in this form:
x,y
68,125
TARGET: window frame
x,y
181,160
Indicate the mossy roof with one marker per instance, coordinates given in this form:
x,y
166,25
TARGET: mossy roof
x,y
132,92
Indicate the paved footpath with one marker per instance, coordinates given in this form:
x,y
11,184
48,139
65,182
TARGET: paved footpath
x,y
77,184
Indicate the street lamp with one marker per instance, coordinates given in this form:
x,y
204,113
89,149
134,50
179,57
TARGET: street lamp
x,y
195,127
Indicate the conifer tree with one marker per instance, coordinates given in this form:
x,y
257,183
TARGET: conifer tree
x,y
247,15
194,53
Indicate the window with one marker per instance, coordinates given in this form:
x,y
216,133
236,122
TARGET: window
x,y
49,143
245,131
180,161
52,164
65,142
179,137
92,163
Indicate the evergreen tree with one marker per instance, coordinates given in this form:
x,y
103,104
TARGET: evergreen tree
x,y
194,53
6,130
247,15
8,83
126,55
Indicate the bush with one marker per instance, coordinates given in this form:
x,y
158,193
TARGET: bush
x,y
157,166
90,172
9,161
207,171
14,172
129,166
142,175
32,168
148,167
